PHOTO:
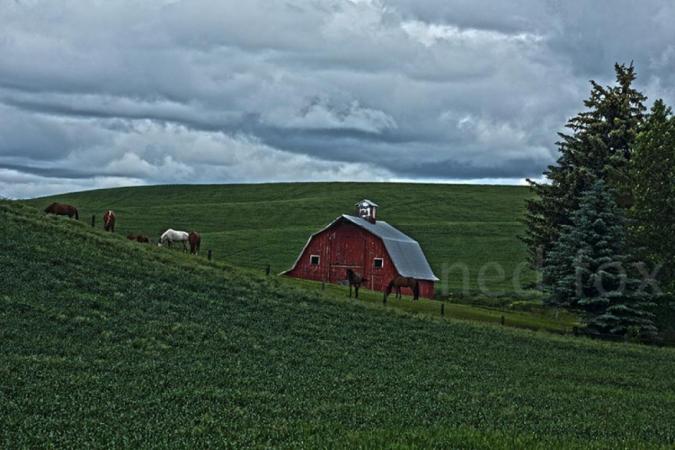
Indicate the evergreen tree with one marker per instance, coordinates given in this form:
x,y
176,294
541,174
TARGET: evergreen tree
x,y
653,176
590,270
599,147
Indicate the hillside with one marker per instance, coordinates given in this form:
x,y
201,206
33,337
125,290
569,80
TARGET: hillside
x,y
255,225
109,343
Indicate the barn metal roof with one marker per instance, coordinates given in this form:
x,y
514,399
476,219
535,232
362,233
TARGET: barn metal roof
x,y
405,252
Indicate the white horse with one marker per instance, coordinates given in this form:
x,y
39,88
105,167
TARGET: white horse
x,y
170,236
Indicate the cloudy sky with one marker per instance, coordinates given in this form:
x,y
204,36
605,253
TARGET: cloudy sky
x,y
110,93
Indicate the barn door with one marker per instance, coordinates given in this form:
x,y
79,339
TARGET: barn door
x,y
346,252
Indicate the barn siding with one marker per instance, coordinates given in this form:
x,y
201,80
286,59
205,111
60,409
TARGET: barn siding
x,y
345,245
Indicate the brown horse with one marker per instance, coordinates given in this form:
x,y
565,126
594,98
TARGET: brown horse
x,y
109,221
195,241
140,238
355,279
61,209
401,282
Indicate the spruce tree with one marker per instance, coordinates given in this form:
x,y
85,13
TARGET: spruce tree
x,y
653,177
598,147
588,268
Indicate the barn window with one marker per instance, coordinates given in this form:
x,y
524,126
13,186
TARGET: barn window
x,y
314,260
378,263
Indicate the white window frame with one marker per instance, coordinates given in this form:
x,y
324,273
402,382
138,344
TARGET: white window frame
x,y
381,265
318,260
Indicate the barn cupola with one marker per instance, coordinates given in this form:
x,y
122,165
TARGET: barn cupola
x,y
366,209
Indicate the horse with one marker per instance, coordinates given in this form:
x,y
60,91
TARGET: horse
x,y
61,209
140,238
195,241
401,282
355,279
170,236
109,221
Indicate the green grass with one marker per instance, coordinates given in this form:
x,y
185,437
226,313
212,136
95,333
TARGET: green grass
x,y
531,315
107,343
255,225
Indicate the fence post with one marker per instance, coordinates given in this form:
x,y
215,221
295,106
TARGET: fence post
x,y
209,255
442,309
503,320
93,220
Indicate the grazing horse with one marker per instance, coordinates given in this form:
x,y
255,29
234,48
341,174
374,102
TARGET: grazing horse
x,y
140,238
61,209
195,241
170,236
401,282
109,221
355,279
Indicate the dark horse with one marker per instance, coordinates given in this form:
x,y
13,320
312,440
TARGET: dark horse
x,y
401,282
61,209
140,238
109,221
195,241
355,279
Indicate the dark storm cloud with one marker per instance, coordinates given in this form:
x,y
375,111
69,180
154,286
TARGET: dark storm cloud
x,y
203,91
48,172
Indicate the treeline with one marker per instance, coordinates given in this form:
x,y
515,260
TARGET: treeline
x,y
602,227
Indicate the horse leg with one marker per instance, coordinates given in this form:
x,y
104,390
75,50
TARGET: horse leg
x,y
350,290
356,289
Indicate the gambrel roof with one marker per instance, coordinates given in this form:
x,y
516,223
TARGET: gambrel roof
x,y
404,251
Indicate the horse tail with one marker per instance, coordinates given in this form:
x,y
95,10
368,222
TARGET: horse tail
x,y
388,289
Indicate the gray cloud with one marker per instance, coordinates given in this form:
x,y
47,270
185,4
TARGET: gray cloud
x,y
204,91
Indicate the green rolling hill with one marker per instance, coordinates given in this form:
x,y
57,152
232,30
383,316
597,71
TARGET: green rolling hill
x,y
109,343
255,225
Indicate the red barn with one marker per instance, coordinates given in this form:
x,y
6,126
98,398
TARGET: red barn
x,y
369,246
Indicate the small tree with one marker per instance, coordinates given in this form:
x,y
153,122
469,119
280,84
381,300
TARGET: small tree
x,y
587,268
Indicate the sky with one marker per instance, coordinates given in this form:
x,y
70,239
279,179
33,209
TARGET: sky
x,y
116,93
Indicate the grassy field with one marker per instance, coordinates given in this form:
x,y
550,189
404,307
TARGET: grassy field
x,y
255,225
107,343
